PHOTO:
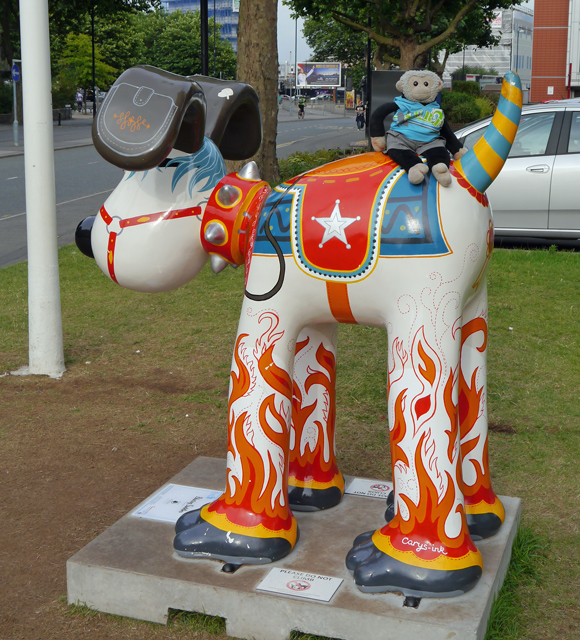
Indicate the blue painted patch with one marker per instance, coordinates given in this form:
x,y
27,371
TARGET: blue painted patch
x,y
275,215
410,225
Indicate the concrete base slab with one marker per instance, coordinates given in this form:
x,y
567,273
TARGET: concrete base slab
x,y
131,570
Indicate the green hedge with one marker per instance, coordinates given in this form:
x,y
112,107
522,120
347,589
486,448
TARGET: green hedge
x,y
466,103
305,160
5,98
467,86
459,107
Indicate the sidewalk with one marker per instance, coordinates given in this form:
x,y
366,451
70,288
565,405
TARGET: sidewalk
x,y
70,133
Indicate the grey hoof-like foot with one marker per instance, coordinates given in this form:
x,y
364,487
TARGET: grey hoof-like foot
x,y
441,173
308,499
417,173
362,549
376,572
187,520
483,525
203,540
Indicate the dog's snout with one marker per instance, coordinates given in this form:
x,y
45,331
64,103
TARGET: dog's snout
x,y
83,236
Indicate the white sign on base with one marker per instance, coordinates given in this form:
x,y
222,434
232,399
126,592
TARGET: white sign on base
x,y
369,488
173,501
300,584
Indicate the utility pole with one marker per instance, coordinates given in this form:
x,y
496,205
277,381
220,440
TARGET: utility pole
x,y
203,14
45,350
93,42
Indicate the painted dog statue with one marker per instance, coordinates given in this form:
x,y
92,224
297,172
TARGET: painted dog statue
x,y
354,242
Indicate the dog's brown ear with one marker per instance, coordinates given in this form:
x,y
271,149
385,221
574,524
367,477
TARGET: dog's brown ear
x,y
233,119
146,114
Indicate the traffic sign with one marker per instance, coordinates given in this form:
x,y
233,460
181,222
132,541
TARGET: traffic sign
x,y
15,73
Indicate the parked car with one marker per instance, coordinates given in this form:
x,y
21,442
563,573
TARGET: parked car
x,y
537,193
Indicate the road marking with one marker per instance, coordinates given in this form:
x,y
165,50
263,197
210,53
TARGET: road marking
x,y
13,178
286,144
58,204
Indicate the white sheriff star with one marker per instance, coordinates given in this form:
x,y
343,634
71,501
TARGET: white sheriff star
x,y
335,225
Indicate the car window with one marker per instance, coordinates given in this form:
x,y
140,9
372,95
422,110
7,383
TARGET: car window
x,y
532,136
473,137
574,141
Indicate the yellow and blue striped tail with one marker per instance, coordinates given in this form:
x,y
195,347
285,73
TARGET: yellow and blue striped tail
x,y
482,164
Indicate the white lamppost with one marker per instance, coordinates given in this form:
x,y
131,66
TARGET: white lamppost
x,y
45,348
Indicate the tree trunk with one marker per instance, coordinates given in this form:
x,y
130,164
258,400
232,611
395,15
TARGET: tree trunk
x,y
258,66
409,54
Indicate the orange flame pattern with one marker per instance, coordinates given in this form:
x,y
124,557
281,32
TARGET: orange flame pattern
x,y
424,458
470,403
258,482
315,467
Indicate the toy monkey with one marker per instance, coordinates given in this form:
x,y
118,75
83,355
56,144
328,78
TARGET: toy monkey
x,y
418,127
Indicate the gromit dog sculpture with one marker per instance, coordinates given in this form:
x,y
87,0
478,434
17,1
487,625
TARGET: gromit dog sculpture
x,y
355,242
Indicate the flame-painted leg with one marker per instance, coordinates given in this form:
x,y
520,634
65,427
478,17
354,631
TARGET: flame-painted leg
x,y
425,550
485,512
315,482
251,522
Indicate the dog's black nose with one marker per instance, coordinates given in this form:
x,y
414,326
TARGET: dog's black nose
x,y
83,236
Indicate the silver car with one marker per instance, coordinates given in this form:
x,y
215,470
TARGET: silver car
x,y
537,193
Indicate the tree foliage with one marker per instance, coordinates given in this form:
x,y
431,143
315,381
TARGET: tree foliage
x,y
76,66
64,16
331,40
172,41
407,32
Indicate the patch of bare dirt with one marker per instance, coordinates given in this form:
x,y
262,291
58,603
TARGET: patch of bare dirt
x,y
77,454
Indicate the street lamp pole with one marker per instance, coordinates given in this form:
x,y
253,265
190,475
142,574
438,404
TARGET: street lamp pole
x,y
15,101
296,56
94,83
214,39
46,355
203,14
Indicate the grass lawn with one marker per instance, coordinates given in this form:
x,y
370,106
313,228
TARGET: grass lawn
x,y
534,409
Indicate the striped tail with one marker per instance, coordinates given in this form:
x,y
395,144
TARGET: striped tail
x,y
481,165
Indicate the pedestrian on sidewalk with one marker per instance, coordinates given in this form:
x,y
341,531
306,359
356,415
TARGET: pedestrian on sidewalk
x,y
360,116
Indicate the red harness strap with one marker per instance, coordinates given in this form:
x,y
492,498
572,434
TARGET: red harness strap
x,y
171,214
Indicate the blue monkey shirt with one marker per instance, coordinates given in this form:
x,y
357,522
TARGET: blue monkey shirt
x,y
416,121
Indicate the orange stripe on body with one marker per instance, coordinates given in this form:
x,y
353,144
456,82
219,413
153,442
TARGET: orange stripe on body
x,y
337,294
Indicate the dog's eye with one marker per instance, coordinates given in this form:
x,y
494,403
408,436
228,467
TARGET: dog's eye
x,y
415,84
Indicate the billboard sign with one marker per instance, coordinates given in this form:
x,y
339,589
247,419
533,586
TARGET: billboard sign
x,y
318,74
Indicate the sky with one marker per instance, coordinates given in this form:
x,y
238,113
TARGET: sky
x,y
286,37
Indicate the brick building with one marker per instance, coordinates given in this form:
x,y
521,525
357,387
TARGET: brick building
x,y
556,54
